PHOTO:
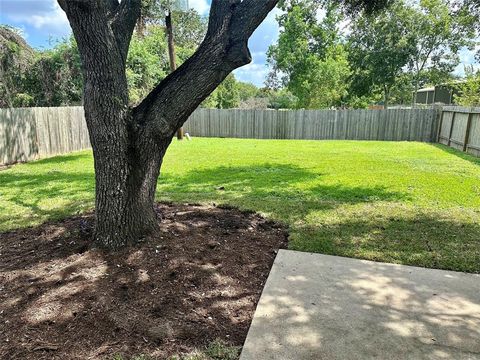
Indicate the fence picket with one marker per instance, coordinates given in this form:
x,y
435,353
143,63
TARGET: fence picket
x,y
27,134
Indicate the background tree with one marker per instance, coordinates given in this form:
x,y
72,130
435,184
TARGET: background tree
x,y
469,90
471,8
15,58
247,90
225,96
281,99
55,79
309,57
379,49
147,62
439,32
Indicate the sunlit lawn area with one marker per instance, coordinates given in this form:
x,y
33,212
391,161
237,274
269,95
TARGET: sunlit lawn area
x,y
409,203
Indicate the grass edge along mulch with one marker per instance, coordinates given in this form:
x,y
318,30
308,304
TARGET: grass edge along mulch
x,y
398,202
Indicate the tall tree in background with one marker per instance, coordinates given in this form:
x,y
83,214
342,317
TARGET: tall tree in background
x,y
309,57
472,8
439,33
379,48
469,89
55,79
225,96
15,58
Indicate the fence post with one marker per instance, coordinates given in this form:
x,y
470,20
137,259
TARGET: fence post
x,y
451,128
467,131
439,115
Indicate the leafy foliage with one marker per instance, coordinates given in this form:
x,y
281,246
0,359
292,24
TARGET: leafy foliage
x,y
310,58
225,96
15,58
439,33
147,62
469,90
379,49
56,78
53,77
384,58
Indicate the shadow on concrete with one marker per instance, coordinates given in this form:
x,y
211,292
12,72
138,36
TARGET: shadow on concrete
x,y
324,307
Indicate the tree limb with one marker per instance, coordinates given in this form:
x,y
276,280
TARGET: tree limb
x,y
224,49
121,15
125,18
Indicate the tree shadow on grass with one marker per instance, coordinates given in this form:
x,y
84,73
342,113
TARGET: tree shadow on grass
x,y
474,160
62,159
424,240
47,195
287,192
55,160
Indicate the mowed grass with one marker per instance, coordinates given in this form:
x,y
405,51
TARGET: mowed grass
x,y
399,202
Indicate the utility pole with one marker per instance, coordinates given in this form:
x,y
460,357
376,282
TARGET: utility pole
x,y
171,54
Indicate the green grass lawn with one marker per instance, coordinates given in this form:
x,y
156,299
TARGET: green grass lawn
x,y
399,202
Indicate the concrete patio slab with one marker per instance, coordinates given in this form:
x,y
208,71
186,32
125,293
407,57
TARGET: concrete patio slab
x,y
326,307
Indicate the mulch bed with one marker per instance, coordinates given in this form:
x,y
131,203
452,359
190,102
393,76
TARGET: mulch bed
x,y
198,279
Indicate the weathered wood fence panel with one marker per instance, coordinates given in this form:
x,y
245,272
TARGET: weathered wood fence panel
x,y
32,133
460,129
395,124
17,135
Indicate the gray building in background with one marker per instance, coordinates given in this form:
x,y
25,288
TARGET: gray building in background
x,y
439,94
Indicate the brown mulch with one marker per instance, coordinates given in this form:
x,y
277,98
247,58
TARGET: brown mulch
x,y
198,279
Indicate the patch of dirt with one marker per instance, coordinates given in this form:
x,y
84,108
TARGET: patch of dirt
x,y
198,279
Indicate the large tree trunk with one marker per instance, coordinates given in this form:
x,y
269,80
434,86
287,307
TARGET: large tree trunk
x,y
125,192
127,165
127,162
129,144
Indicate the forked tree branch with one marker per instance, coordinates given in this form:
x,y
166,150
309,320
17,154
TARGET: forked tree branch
x,y
125,17
224,49
121,15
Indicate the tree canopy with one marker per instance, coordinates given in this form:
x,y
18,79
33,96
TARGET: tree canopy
x,y
309,58
15,58
328,55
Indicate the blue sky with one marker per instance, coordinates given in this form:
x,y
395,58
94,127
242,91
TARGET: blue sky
x,y
42,22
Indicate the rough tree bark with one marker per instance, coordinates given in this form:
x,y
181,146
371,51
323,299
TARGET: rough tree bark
x,y
129,143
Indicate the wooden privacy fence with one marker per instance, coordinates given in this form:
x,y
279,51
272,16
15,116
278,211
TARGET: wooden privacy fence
x,y
32,133
394,124
460,129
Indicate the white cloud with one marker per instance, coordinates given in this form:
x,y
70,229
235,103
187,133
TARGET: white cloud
x,y
42,15
467,58
253,73
201,6
266,35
